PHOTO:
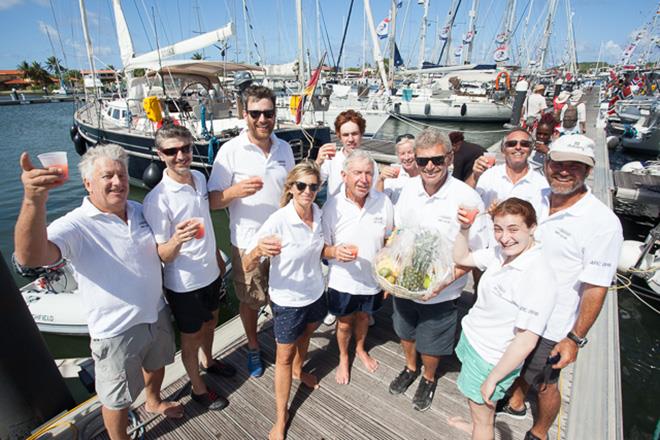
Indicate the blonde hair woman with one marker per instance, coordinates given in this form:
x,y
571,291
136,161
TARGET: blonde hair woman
x,y
293,240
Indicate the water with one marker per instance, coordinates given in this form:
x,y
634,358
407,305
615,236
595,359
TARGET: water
x,y
39,128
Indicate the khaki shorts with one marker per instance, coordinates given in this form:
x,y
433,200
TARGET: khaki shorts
x,y
251,287
118,361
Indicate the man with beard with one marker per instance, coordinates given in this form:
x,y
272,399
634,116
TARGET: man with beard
x,y
513,178
356,222
431,200
248,177
583,239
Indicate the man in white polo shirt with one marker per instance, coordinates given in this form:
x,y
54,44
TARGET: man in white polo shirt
x,y
118,271
582,238
358,220
177,209
248,177
513,178
431,200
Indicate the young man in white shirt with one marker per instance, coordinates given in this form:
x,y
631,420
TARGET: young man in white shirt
x,y
118,271
248,177
432,200
582,238
358,219
513,178
187,247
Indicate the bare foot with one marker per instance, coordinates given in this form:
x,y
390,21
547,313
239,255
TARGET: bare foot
x,y
343,376
369,363
309,380
278,429
459,423
173,410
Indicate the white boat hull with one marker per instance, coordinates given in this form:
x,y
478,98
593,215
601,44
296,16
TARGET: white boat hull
x,y
454,110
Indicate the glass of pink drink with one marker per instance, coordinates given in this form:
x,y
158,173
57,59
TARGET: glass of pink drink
x,y
471,212
397,169
353,250
201,230
56,159
490,159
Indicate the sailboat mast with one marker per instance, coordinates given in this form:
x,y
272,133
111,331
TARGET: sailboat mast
x,y
392,42
88,44
422,40
572,56
318,30
301,51
547,31
472,32
374,41
248,48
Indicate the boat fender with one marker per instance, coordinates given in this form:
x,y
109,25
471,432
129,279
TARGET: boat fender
x,y
612,142
632,166
397,108
79,144
73,130
463,109
427,109
630,253
152,175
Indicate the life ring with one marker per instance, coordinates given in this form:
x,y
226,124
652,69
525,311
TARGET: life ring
x,y
507,80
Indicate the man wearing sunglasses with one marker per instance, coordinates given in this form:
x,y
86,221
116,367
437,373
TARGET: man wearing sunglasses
x,y
513,178
248,177
356,222
177,210
431,201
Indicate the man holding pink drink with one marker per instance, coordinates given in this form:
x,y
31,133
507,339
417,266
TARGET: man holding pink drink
x,y
177,210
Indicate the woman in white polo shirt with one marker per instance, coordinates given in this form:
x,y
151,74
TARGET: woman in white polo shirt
x,y
292,238
514,302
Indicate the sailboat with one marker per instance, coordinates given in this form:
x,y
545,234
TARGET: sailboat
x,y
194,93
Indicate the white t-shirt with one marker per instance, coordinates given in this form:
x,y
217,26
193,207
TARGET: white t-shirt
x,y
116,264
167,205
367,228
295,278
583,244
495,184
392,187
535,105
331,172
519,295
416,208
238,160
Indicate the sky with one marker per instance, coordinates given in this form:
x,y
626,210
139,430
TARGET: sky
x,y
605,26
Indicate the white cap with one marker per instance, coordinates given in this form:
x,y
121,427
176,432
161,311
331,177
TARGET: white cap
x,y
573,147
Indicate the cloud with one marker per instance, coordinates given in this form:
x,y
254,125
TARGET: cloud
x,y
47,29
6,4
611,49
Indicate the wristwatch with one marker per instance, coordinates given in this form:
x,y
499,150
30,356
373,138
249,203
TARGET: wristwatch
x,y
581,342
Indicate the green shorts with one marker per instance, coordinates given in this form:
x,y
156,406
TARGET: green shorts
x,y
474,372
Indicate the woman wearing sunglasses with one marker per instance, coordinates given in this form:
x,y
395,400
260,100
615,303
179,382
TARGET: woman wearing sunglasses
x,y
293,240
516,295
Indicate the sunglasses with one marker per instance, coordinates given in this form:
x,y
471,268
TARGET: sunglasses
x,y
523,143
436,160
404,136
172,151
256,114
302,186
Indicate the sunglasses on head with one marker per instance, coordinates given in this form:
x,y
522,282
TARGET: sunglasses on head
x,y
172,151
436,160
302,186
404,136
256,114
523,143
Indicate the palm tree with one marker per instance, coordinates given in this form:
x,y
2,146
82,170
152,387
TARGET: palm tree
x,y
38,74
54,65
24,67
197,56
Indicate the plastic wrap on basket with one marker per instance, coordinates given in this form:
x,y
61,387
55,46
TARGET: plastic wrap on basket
x,y
414,263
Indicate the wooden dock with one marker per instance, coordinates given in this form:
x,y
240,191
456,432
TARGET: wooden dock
x,y
364,409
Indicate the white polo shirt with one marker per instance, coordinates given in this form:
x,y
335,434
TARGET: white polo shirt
x,y
167,205
238,160
535,105
295,278
416,208
392,187
518,295
367,228
495,184
117,266
331,173
583,244
581,112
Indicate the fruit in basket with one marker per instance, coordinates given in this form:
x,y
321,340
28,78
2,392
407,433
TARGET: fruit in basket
x,y
391,279
412,279
427,281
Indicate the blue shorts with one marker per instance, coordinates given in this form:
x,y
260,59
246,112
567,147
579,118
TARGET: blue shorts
x,y
431,326
344,304
475,370
290,322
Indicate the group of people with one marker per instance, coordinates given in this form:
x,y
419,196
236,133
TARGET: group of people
x,y
547,246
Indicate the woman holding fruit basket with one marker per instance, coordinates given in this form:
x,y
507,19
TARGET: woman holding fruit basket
x,y
516,295
292,238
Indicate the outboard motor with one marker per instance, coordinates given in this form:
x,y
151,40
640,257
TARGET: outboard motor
x,y
242,80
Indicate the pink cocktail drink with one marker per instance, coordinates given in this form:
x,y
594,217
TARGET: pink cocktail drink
x,y
397,170
490,159
201,231
353,249
56,159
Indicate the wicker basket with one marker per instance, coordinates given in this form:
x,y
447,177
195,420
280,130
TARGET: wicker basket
x,y
399,291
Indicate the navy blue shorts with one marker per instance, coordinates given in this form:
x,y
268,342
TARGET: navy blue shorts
x,y
344,304
431,326
194,308
290,322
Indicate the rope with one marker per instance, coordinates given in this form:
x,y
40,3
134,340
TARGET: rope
x,y
627,287
423,125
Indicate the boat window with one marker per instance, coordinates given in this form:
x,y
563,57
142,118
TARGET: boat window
x,y
115,114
